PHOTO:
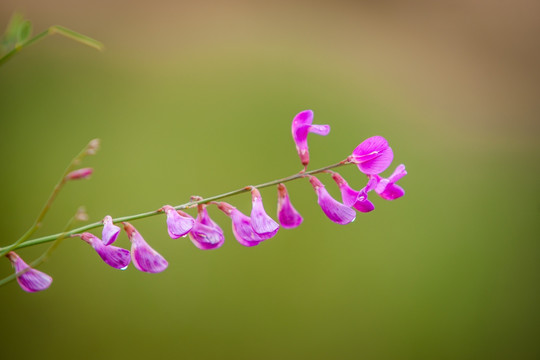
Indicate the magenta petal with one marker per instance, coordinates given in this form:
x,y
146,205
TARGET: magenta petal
x,y
373,155
177,225
31,280
348,194
333,209
110,231
144,257
300,128
113,256
322,130
386,188
261,223
364,206
287,215
241,225
206,234
392,192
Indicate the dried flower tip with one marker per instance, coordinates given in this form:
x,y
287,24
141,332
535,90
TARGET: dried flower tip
x,y
113,256
29,279
144,257
110,231
261,223
79,174
81,214
287,215
333,209
93,147
178,222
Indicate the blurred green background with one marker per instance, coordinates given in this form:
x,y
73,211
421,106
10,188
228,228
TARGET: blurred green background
x,y
197,98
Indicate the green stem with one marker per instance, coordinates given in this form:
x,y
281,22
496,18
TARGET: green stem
x,y
81,229
56,29
37,223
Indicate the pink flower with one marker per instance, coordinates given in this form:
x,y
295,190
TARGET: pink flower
x,y
178,223
333,209
144,257
206,234
351,197
80,174
30,279
387,188
113,256
373,155
261,223
241,225
301,126
110,231
287,215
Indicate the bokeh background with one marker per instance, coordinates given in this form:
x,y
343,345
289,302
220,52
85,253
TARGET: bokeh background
x,y
197,98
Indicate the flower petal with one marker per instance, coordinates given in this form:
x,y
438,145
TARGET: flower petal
x,y
301,126
31,280
206,234
348,194
373,155
110,231
287,215
178,222
261,223
333,209
144,257
113,256
241,226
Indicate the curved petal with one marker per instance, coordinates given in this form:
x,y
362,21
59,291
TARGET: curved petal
x,y
206,234
261,223
31,280
287,215
113,256
322,130
348,194
178,222
392,192
110,231
144,257
373,155
333,209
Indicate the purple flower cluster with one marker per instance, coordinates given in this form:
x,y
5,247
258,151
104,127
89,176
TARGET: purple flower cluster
x,y
372,157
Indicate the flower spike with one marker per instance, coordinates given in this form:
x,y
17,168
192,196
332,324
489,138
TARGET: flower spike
x,y
31,280
301,126
144,257
373,155
178,223
333,209
206,234
387,188
113,256
261,223
110,231
241,225
287,215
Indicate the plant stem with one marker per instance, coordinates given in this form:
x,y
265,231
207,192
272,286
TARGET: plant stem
x,y
56,29
37,223
49,238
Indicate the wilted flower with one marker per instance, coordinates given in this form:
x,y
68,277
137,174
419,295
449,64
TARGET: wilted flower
x,y
334,210
287,215
113,256
241,225
206,234
261,223
301,127
373,155
387,188
144,257
31,280
79,174
110,231
178,222
351,197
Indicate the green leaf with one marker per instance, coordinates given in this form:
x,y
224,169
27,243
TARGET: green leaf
x,y
57,29
25,31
